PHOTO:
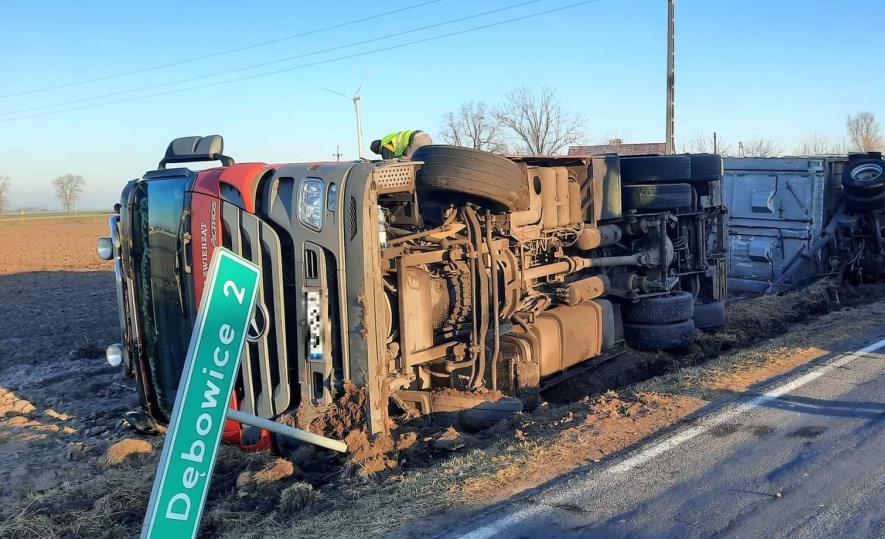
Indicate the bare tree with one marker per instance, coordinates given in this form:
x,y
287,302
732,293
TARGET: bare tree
x,y
475,126
840,148
707,143
761,147
816,145
864,132
68,189
537,123
4,193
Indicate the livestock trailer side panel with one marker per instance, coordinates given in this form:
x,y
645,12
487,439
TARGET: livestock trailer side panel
x,y
777,207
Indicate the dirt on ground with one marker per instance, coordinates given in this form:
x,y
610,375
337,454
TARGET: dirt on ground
x,y
69,469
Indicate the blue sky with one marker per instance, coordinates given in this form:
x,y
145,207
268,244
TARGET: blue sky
x,y
783,69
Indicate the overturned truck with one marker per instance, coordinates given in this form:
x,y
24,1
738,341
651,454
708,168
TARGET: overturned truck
x,y
456,282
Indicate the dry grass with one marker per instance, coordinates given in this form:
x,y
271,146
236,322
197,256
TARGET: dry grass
x,y
108,505
738,369
111,503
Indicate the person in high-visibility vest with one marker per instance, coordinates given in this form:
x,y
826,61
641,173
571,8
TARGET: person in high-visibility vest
x,y
400,144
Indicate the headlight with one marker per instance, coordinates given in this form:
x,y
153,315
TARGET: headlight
x,y
105,248
114,355
310,203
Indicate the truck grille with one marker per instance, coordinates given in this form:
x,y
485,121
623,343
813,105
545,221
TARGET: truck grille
x,y
351,220
265,368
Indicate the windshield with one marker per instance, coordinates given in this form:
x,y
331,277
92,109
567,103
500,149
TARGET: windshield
x,y
165,324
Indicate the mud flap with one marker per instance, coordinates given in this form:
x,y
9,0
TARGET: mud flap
x,y
249,438
140,422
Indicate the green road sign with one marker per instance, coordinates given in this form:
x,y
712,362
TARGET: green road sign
x,y
213,361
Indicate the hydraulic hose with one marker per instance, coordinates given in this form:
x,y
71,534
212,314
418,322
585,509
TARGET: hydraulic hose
x,y
663,232
482,304
493,263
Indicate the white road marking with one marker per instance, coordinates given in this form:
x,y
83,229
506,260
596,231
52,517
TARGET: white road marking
x,y
674,441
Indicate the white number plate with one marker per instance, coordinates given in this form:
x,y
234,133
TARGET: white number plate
x,y
314,327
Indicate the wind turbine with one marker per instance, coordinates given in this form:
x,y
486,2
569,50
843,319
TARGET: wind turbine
x,y
356,98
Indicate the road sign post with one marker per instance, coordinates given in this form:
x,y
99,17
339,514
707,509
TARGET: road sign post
x,y
207,381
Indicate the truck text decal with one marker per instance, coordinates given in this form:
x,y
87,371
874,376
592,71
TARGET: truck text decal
x,y
213,233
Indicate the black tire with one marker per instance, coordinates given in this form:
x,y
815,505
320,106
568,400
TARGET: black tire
x,y
472,413
709,316
660,337
864,178
866,203
655,169
671,196
675,307
470,175
705,167
853,157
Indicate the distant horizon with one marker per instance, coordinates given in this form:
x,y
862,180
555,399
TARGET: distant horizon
x,y
93,206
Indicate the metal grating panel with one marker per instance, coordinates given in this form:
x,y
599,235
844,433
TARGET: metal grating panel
x,y
394,178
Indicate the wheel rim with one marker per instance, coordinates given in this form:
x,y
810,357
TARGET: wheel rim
x,y
866,173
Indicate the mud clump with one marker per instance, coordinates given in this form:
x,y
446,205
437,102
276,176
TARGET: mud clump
x,y
406,441
280,469
370,455
118,452
450,440
347,413
347,420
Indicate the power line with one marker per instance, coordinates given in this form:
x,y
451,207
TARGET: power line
x,y
221,53
303,66
271,62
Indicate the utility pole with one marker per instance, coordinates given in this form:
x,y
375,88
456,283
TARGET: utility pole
x,y
671,74
337,155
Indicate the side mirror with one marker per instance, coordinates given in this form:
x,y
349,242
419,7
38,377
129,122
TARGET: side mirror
x,y
193,149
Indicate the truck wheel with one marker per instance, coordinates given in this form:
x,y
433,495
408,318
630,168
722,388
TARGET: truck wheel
x,y
655,169
470,175
674,307
671,196
709,316
660,337
471,412
705,167
864,178
865,203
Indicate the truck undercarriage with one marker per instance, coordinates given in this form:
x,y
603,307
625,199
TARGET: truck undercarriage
x,y
456,282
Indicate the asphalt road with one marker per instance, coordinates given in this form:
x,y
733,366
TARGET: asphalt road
x,y
804,457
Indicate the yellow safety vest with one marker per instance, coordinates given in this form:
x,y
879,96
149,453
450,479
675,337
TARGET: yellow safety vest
x,y
394,145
